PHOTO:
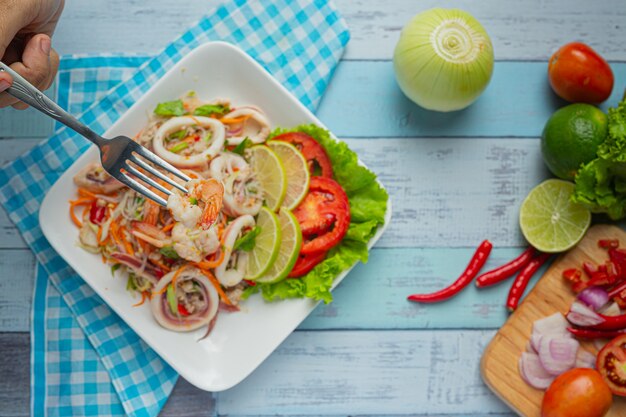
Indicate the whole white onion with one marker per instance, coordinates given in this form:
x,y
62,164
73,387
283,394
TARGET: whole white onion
x,y
443,60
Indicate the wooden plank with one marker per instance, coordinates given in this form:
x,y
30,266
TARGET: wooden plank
x,y
372,297
364,100
15,372
368,372
529,30
16,289
552,294
445,192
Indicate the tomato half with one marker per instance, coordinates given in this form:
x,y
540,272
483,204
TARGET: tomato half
x,y
578,74
313,152
611,363
577,393
306,262
325,200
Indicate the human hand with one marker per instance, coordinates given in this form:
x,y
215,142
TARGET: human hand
x,y
25,45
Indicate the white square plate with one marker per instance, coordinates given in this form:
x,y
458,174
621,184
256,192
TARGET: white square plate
x,y
240,341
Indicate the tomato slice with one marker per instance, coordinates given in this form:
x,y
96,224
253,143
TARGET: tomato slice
x,y
96,213
611,363
325,200
182,310
314,153
306,262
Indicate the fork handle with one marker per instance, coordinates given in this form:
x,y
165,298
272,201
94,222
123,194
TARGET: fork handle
x,y
26,92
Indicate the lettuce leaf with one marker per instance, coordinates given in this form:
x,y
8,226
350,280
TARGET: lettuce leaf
x,y
601,184
368,205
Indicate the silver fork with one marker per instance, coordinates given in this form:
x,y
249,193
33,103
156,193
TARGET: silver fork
x,y
115,153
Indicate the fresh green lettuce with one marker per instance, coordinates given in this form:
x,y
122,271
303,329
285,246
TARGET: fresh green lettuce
x,y
170,108
601,184
368,204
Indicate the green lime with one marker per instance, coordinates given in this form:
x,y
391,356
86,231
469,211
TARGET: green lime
x,y
296,170
571,138
549,220
270,173
289,248
266,245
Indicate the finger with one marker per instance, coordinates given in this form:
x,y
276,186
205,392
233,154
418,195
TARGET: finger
x,y
5,82
35,66
20,105
54,68
16,14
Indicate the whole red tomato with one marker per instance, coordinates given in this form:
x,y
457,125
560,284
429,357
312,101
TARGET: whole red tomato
x,y
611,363
578,74
577,393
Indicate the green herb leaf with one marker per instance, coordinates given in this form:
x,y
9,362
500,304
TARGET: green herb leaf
x,y
179,147
171,299
176,135
245,144
114,268
247,241
169,252
193,200
211,109
170,108
130,283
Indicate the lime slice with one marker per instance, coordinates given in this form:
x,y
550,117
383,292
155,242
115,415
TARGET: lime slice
x,y
289,248
296,170
549,220
270,173
266,246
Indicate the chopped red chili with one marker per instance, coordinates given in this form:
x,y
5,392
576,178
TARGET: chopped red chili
x,y
521,281
505,271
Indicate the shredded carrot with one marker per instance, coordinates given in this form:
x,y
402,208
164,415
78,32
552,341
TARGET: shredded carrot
x,y
217,286
174,278
99,236
126,243
168,227
229,121
77,222
152,212
82,201
75,203
161,265
144,296
85,193
212,264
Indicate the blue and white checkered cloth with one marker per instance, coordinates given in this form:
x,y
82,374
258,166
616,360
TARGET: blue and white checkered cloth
x,y
86,360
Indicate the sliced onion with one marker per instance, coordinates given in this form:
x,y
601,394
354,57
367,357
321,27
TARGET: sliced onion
x,y
558,354
585,359
594,297
582,315
530,348
532,371
611,310
535,341
552,325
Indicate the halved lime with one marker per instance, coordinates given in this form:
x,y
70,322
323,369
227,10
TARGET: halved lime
x,y
266,246
289,248
270,173
296,170
549,220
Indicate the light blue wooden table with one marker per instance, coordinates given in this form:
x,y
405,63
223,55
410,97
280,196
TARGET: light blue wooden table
x,y
455,179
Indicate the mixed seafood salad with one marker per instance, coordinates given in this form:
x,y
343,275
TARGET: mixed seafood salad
x,y
276,211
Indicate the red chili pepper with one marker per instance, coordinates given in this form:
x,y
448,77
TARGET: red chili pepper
x,y
598,279
472,269
573,275
595,334
621,301
250,283
589,269
522,279
96,213
182,310
503,272
617,290
608,243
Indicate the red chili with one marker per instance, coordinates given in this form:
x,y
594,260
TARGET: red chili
x,y
617,290
589,269
573,275
608,243
503,272
595,334
182,310
610,323
96,213
522,279
250,283
472,269
598,279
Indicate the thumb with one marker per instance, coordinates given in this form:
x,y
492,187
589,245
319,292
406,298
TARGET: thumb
x,y
35,65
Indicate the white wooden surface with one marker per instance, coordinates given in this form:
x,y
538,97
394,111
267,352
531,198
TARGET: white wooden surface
x,y
370,352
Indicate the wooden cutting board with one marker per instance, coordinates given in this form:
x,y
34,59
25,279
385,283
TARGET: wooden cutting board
x,y
499,365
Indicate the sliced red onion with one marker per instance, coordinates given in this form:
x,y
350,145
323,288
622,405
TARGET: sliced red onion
x,y
594,297
535,341
553,325
611,310
582,315
530,348
585,359
234,132
533,373
558,354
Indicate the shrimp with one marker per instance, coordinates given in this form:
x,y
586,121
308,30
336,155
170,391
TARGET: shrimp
x,y
201,206
194,244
